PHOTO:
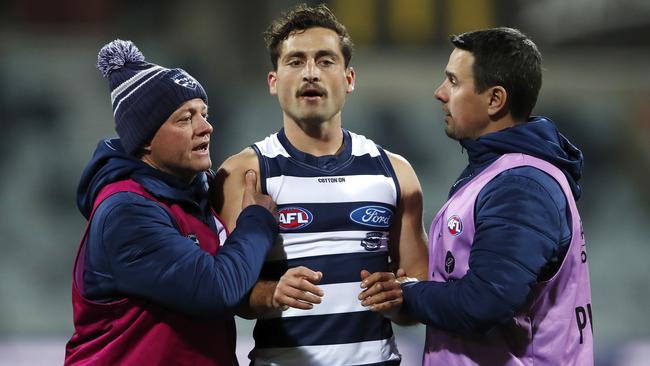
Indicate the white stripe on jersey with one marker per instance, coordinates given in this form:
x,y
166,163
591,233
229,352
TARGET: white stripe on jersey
x,y
362,146
302,245
337,298
271,147
356,188
360,353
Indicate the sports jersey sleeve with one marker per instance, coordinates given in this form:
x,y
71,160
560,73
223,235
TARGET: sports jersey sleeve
x,y
521,236
145,255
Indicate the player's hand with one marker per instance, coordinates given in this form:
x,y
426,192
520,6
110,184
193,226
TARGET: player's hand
x,y
253,197
402,279
382,292
297,289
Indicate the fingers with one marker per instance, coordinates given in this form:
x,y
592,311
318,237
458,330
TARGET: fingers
x,y
250,184
292,297
386,298
297,289
401,273
377,277
251,195
304,272
364,275
382,293
250,187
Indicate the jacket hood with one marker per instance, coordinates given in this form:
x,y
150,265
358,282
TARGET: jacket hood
x,y
539,137
110,163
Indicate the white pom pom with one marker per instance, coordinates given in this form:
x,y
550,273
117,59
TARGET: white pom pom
x,y
114,55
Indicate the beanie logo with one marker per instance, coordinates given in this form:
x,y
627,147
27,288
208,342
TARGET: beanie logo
x,y
185,80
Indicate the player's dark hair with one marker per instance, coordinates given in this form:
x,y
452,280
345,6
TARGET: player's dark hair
x,y
505,57
299,19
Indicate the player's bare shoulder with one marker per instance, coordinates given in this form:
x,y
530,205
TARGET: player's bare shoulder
x,y
406,176
239,163
229,184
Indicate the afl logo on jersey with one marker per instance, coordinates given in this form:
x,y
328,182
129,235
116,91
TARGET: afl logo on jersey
x,y
375,216
455,225
293,218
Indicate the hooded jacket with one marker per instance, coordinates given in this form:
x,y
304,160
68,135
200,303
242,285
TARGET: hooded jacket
x,y
134,248
533,207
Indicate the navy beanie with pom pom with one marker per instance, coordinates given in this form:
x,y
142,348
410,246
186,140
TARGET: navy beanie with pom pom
x,y
143,95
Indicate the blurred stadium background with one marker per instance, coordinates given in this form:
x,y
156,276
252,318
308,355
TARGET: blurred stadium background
x,y
54,107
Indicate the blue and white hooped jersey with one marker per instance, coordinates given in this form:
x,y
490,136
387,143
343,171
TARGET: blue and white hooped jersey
x,y
334,215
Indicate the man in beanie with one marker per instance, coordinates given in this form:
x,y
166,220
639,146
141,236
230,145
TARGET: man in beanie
x,y
155,280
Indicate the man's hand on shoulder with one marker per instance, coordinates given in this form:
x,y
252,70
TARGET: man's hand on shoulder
x,y
228,186
253,197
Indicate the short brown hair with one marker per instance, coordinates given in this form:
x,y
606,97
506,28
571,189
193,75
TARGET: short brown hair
x,y
301,18
505,57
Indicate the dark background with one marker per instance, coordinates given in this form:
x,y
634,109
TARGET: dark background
x,y
55,106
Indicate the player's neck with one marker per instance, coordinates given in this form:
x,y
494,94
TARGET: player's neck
x,y
318,139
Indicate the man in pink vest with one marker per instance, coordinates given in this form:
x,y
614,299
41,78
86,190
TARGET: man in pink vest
x,y
156,281
508,278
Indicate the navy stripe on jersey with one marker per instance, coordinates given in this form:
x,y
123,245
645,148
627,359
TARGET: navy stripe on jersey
x,y
348,266
321,329
389,168
356,165
264,168
336,217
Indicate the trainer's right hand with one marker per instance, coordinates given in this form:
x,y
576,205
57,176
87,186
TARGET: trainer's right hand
x,y
297,289
253,197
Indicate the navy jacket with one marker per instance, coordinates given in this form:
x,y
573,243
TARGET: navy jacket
x,y
504,267
134,247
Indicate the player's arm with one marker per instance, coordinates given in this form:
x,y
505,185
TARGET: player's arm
x,y
408,244
407,248
296,288
227,190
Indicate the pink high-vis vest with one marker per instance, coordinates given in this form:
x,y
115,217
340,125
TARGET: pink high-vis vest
x,y
135,331
553,328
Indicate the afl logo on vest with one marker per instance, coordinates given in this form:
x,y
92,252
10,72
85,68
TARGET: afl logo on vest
x,y
294,218
455,225
375,216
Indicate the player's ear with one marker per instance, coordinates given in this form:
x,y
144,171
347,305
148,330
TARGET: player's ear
x,y
272,79
350,77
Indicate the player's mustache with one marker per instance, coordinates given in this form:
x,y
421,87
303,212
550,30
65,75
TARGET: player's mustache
x,y
310,88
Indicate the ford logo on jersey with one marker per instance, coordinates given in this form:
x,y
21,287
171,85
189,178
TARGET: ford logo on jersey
x,y
293,218
375,216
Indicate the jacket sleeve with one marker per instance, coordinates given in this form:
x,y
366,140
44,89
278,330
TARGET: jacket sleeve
x,y
522,230
148,257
